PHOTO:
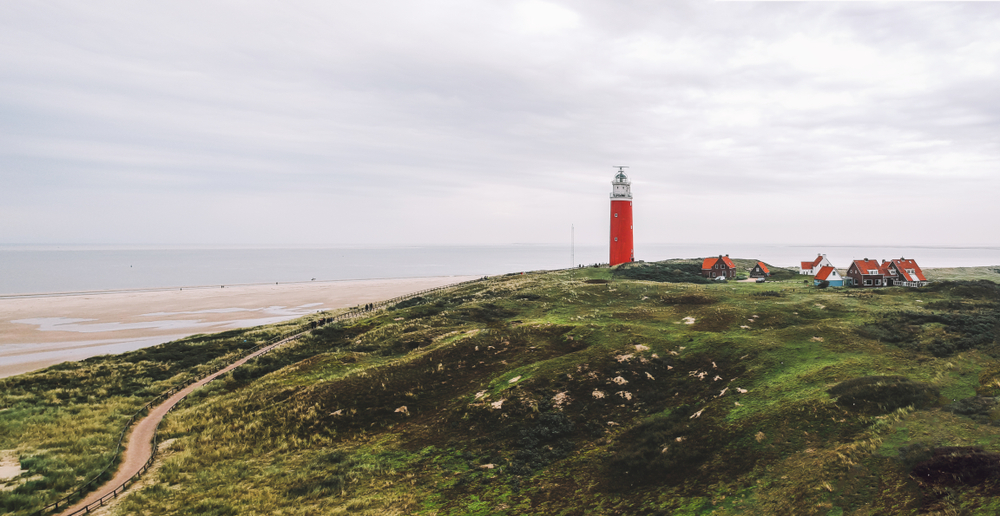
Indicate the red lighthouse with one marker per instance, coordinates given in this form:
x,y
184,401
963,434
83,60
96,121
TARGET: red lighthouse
x,y
621,219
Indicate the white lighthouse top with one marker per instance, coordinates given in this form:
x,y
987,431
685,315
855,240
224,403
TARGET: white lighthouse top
x,y
621,187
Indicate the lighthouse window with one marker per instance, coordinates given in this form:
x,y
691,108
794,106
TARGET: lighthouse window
x,y
616,239
616,214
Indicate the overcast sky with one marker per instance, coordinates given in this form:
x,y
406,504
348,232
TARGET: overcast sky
x,y
434,122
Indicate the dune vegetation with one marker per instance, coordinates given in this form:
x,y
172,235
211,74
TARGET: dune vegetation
x,y
631,390
63,422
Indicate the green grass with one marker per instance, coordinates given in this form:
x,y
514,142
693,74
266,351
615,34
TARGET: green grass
x,y
609,377
991,273
64,421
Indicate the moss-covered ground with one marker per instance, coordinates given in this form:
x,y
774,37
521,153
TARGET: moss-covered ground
x,y
586,392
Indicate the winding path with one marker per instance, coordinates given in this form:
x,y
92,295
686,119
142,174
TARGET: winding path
x,y
139,448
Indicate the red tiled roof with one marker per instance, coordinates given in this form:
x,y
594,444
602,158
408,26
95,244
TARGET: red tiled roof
x,y
710,262
902,265
812,264
866,265
763,267
824,272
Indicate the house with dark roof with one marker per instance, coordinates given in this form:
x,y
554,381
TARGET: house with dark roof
x,y
903,273
722,266
866,273
830,275
813,267
760,271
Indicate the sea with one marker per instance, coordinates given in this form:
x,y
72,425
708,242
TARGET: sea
x,y
46,269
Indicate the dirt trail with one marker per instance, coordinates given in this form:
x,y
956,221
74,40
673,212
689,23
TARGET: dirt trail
x,y
140,442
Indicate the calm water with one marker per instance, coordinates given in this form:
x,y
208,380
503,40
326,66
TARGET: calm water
x,y
39,269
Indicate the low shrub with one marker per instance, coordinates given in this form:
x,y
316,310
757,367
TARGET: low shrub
x,y
977,408
542,442
661,272
965,330
330,473
874,395
666,449
407,303
989,380
977,289
487,313
688,299
959,465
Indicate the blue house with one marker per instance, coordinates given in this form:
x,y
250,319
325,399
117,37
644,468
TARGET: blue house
x,y
829,274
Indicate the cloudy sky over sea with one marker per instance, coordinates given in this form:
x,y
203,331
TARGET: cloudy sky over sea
x,y
434,122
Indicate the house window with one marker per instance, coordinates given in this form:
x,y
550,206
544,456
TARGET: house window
x,y
713,274
878,282
868,282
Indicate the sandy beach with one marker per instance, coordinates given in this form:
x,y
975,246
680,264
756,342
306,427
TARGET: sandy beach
x,y
36,332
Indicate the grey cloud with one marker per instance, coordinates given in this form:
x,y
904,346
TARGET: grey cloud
x,y
440,119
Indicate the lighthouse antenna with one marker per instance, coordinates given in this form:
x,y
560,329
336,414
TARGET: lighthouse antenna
x,y
620,167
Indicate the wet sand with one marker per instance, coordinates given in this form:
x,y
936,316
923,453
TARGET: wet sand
x,y
37,332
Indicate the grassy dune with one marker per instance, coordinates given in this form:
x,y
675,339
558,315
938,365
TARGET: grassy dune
x,y
586,392
63,421
991,273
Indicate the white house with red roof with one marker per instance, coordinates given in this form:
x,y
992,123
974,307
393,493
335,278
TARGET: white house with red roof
x,y
722,266
830,275
812,268
904,273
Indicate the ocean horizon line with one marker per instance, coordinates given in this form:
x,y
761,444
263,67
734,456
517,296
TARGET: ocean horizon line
x,y
54,269
209,247
35,295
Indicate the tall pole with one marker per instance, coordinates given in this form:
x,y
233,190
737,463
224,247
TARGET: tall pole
x,y
572,246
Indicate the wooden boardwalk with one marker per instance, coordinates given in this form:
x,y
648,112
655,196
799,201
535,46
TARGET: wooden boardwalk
x,y
139,448
137,451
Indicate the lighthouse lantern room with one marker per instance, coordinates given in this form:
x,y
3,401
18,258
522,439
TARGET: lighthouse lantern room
x,y
621,219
